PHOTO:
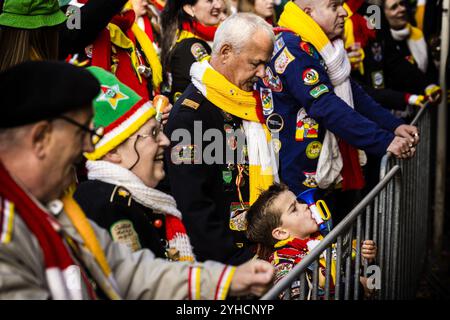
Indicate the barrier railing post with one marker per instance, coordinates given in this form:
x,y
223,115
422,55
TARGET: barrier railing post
x,y
394,215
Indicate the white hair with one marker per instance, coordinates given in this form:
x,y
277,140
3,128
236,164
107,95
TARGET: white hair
x,y
238,29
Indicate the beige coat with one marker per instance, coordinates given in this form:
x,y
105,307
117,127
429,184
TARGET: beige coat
x,y
138,275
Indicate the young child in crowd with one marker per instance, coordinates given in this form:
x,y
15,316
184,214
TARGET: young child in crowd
x,y
286,232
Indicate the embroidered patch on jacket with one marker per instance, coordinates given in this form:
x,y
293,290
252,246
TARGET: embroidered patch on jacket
x,y
306,127
272,82
123,232
283,61
267,101
318,91
187,154
190,103
313,150
198,51
310,179
310,77
305,46
279,44
377,79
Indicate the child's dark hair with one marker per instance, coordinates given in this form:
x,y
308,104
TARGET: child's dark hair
x,y
262,218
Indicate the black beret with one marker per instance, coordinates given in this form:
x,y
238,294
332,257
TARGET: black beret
x,y
39,90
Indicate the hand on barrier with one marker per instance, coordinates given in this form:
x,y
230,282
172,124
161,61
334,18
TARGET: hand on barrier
x,y
400,148
433,93
411,133
416,100
253,277
369,250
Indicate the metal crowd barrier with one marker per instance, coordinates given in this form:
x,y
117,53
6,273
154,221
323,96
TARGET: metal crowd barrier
x,y
395,215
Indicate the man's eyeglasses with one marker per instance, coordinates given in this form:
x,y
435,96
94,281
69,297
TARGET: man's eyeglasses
x,y
96,134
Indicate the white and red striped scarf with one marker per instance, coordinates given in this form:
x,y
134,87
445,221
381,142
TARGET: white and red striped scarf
x,y
60,268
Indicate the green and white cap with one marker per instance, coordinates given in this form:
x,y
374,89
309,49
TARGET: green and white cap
x,y
117,109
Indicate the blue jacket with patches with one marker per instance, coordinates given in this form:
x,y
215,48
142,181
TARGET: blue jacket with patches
x,y
297,88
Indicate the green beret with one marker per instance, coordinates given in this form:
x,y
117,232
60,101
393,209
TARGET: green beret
x,y
40,90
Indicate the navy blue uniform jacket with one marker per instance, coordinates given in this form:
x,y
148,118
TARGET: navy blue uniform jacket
x,y
299,104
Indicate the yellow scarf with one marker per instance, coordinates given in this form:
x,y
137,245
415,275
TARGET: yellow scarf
x,y
81,224
184,34
228,97
295,19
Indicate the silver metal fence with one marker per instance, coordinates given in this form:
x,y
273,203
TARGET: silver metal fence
x,y
395,215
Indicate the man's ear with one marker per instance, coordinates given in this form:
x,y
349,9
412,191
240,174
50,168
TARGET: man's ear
x,y
280,233
307,10
225,52
113,156
41,134
189,10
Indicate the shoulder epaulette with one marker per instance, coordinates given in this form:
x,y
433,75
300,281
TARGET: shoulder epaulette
x,y
6,220
193,100
121,194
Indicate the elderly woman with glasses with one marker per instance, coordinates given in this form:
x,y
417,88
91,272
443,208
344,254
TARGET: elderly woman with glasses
x,y
124,170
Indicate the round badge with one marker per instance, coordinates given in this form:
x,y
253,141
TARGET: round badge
x,y
310,77
275,122
276,145
378,79
313,150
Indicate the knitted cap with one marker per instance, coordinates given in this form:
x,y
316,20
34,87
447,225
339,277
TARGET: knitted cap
x,y
31,14
119,110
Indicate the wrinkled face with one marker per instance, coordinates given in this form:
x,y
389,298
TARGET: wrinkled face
x,y
329,15
296,218
244,67
67,143
264,8
206,12
143,151
139,7
395,11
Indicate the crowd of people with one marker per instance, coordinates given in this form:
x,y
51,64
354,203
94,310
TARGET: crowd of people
x,y
156,149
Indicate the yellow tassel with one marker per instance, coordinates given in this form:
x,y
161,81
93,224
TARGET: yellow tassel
x,y
150,55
